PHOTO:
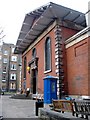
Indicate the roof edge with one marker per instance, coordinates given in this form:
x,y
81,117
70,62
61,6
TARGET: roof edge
x,y
80,35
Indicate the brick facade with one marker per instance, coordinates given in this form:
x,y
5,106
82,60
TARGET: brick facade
x,y
69,49
77,68
78,60
40,50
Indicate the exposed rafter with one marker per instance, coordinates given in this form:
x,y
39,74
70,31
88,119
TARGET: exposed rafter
x,y
33,29
76,18
38,20
66,15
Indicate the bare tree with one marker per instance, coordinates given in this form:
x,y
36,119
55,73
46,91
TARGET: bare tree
x,y
2,35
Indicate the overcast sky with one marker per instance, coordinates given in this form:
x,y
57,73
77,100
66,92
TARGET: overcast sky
x,y
12,13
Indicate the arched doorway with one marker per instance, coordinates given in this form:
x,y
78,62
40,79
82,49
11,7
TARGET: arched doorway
x,y
34,81
33,64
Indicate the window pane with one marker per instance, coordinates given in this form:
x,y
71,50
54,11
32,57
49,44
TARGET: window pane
x,y
14,58
13,67
47,55
0,48
13,76
4,68
34,53
5,60
13,50
12,86
0,57
25,67
5,52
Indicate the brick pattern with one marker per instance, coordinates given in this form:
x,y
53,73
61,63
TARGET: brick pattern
x,y
88,66
77,68
58,35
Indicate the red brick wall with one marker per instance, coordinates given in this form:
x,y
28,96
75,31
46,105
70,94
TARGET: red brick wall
x,y
66,33
77,68
40,54
89,66
28,57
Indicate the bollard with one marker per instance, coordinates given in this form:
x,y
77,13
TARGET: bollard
x,y
39,104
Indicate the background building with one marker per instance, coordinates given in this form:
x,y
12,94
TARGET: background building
x,y
0,66
10,68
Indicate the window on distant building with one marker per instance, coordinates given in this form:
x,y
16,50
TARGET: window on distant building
x,y
0,57
25,66
4,68
13,66
13,50
0,48
14,58
48,54
12,86
13,76
4,77
5,52
5,60
34,53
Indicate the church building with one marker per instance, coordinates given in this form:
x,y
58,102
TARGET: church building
x,y
55,40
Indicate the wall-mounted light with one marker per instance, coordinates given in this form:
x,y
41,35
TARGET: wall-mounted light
x,y
28,69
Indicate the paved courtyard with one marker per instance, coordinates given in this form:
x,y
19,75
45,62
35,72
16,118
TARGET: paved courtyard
x,y
20,109
17,108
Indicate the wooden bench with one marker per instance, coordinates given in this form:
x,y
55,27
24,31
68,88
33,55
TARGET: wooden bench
x,y
82,107
63,106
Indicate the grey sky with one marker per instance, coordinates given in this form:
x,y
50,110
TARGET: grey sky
x,y
12,13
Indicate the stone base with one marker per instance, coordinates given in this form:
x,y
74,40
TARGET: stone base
x,y
21,96
47,114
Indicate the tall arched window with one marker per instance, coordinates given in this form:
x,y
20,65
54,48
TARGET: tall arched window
x,y
25,66
47,54
34,53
